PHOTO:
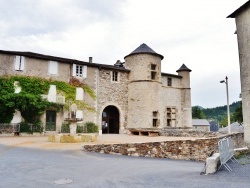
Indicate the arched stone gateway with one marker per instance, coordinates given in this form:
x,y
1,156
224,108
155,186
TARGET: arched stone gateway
x,y
110,120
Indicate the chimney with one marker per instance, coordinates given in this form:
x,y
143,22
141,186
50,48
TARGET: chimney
x,y
90,59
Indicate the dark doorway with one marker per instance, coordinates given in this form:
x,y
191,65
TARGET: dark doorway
x,y
50,120
110,120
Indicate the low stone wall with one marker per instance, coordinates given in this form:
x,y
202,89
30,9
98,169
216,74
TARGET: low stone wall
x,y
67,138
180,132
195,149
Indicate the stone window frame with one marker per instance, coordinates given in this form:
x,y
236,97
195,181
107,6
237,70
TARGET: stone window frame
x,y
153,71
115,76
171,116
155,119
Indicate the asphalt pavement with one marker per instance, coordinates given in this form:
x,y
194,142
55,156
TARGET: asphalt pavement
x,y
35,168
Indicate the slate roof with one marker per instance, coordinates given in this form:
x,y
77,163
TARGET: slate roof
x,y
235,127
200,122
239,10
63,60
144,49
184,68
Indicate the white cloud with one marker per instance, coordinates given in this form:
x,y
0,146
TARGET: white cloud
x,y
193,32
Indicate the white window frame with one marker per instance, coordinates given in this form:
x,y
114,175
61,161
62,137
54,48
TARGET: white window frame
x,y
79,71
19,63
117,76
53,68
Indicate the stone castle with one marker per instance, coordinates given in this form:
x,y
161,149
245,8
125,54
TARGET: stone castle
x,y
131,95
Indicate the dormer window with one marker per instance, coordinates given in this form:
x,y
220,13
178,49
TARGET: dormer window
x,y
79,71
19,63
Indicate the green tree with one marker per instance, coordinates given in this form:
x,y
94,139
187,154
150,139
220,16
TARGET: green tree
x,y
237,115
197,113
30,102
223,121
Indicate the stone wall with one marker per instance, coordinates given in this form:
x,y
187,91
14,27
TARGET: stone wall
x,y
194,149
41,68
243,35
180,132
113,93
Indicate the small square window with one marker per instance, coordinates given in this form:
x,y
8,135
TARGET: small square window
x,y
155,114
153,67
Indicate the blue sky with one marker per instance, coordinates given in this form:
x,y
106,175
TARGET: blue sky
x,y
195,32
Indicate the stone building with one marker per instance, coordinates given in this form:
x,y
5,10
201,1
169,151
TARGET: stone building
x,y
134,94
201,124
242,19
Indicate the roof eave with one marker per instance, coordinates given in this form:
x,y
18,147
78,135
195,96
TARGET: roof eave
x,y
237,11
155,54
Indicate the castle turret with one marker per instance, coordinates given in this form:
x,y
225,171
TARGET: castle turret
x,y
144,88
185,96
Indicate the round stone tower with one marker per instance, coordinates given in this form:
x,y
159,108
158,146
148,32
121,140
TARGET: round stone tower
x,y
185,96
144,88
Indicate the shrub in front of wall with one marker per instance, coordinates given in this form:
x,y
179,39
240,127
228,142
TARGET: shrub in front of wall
x,y
25,128
91,127
37,127
79,129
65,128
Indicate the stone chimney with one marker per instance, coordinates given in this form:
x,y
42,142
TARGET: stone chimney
x,y
90,59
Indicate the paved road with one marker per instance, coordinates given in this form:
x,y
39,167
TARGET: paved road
x,y
35,168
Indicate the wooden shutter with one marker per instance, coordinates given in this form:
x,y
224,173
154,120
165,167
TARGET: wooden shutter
x,y
53,67
74,70
84,72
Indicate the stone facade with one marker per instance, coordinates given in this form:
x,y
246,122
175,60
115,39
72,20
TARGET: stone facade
x,y
242,19
132,94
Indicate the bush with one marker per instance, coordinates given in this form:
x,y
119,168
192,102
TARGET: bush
x,y
31,128
79,129
37,127
25,128
91,127
65,127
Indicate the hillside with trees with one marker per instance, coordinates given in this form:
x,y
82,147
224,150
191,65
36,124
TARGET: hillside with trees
x,y
219,114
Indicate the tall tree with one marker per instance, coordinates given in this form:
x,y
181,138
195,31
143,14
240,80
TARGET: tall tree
x,y
197,113
237,115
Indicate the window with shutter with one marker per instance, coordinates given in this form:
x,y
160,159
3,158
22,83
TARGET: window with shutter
x,y
79,93
19,63
53,68
79,71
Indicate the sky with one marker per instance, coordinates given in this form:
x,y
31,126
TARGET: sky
x,y
195,33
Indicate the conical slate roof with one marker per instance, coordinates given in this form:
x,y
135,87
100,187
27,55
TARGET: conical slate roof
x,y
184,68
144,49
